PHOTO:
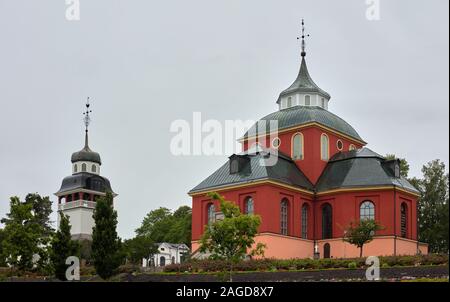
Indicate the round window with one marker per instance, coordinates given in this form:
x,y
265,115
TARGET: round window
x,y
276,142
339,144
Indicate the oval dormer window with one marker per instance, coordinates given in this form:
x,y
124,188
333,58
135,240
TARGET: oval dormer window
x,y
276,142
307,100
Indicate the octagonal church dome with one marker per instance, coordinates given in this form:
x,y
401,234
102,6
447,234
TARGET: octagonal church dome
x,y
301,115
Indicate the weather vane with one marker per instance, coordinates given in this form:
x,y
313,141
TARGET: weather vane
x,y
87,118
303,38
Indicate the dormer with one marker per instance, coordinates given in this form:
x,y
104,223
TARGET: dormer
x,y
393,166
239,164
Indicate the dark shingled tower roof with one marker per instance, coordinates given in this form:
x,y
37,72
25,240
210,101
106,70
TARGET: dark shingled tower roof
x,y
86,154
85,180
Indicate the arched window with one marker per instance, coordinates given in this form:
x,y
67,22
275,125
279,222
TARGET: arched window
x,y
211,213
297,146
351,147
248,206
83,167
162,261
94,168
75,168
404,219
327,220
367,210
324,147
284,217
307,100
289,102
305,221
323,103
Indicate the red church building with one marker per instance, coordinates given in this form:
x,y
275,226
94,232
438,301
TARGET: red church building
x,y
323,178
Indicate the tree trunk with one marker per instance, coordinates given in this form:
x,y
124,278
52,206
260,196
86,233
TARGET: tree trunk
x,y
360,251
231,272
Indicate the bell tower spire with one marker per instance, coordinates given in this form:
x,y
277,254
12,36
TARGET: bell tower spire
x,y
303,91
303,53
87,121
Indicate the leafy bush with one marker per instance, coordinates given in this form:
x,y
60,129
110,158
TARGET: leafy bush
x,y
208,266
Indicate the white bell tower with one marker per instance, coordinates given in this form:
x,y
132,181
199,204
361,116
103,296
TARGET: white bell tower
x,y
78,192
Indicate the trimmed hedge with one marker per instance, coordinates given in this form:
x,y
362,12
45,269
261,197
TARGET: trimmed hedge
x,y
200,266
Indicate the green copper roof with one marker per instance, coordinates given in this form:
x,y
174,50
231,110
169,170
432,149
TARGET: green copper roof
x,y
299,115
303,83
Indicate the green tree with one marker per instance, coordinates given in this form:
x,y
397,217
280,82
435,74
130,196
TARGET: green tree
x,y
181,229
2,257
21,235
62,246
433,206
161,225
232,238
42,209
361,233
156,224
86,250
138,248
107,250
404,166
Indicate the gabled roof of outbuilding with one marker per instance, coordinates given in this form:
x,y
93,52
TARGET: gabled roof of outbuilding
x,y
359,168
284,171
299,115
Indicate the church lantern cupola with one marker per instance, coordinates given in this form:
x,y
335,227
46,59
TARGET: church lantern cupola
x,y
303,91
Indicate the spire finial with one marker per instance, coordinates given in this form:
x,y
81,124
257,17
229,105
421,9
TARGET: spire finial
x,y
303,38
87,121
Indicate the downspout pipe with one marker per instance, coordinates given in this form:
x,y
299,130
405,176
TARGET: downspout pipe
x,y
395,220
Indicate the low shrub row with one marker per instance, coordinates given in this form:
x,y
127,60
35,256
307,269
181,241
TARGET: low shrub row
x,y
199,266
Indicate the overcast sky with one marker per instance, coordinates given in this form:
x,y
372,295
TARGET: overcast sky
x,y
147,63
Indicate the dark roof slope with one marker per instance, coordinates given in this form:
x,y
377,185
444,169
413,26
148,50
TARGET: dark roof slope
x,y
86,181
284,170
359,168
299,115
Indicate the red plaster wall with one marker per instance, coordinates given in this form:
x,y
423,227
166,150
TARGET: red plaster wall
x,y
345,208
311,164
